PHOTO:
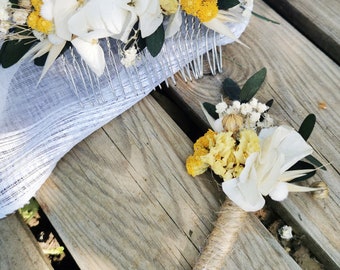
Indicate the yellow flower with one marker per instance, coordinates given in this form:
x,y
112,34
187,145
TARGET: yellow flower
x,y
36,22
207,141
36,4
195,165
207,11
248,143
191,6
222,153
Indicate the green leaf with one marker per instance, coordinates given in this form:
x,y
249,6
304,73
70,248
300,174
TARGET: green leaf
x,y
223,4
231,89
12,51
316,162
155,41
211,109
302,165
252,85
307,126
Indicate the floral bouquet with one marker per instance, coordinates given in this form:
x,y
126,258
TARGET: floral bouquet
x,y
252,156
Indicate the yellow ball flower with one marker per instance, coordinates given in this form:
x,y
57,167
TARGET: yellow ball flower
x,y
191,6
207,11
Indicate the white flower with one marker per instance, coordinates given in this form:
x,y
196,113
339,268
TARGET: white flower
x,y
221,107
236,104
246,108
253,103
20,16
261,108
265,172
254,117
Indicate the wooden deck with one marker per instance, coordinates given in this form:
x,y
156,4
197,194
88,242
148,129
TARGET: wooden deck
x,y
121,199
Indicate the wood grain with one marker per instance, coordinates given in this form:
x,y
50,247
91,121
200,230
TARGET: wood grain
x,y
19,249
122,199
299,77
317,20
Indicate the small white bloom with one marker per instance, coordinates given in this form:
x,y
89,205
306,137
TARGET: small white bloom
x,y
286,232
20,16
254,117
246,108
236,104
261,108
253,103
268,120
221,107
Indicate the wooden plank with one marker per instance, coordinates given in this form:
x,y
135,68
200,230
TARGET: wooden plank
x,y
318,20
19,249
299,76
121,199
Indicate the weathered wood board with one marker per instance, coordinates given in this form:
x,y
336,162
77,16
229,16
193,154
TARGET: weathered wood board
x,y
299,77
122,199
19,249
318,20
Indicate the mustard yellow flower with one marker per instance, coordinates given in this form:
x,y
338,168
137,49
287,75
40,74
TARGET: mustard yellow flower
x,y
36,22
221,152
207,11
191,7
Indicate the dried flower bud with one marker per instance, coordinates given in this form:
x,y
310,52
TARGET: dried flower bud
x,y
323,191
232,122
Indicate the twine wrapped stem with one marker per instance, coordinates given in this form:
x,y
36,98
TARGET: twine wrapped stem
x,y
222,238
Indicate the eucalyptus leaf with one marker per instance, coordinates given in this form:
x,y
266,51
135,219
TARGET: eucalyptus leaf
x,y
316,162
12,51
231,89
223,4
302,165
307,126
155,41
211,109
252,85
